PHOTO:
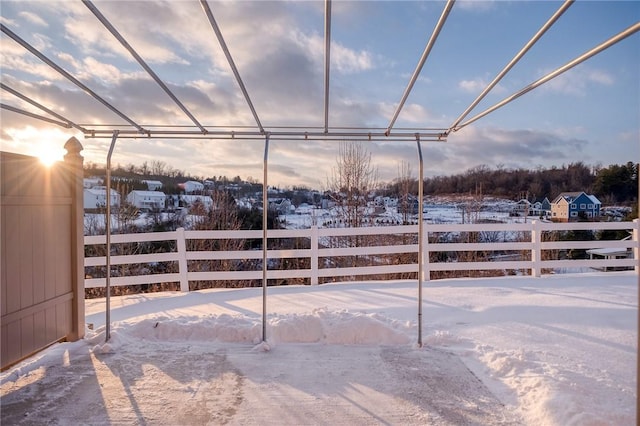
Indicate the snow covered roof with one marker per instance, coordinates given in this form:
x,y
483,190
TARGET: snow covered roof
x,y
156,194
100,190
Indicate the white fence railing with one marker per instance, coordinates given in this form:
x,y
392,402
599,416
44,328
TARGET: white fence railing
x,y
531,247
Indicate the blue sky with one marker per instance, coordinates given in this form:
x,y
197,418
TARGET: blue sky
x,y
589,114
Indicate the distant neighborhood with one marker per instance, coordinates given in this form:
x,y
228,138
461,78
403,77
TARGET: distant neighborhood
x,y
565,207
151,199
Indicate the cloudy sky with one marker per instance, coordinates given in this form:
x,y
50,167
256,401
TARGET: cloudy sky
x,y
590,113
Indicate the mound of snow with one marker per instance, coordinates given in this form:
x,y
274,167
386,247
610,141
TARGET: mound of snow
x,y
320,326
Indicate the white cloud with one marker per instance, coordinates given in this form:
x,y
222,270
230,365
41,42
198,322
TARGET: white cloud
x,y
106,72
348,60
577,81
477,85
343,59
413,114
84,30
33,18
490,146
475,5
9,22
25,63
472,86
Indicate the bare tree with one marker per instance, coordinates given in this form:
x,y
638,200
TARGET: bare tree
x,y
351,181
223,216
405,180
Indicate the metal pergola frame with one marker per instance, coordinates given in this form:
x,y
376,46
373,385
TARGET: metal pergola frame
x,y
259,132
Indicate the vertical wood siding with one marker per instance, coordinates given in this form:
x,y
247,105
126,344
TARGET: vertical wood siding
x,y
38,255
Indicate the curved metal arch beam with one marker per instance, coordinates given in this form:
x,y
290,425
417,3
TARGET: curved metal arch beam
x,y
141,61
36,116
68,76
566,67
232,64
432,41
66,122
513,61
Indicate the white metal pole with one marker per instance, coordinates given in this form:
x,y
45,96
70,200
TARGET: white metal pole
x,y
420,238
108,237
327,61
265,209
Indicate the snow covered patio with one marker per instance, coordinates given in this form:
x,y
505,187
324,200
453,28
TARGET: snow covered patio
x,y
556,350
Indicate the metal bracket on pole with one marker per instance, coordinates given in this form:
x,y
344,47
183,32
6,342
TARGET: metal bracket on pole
x,y
265,211
420,238
108,236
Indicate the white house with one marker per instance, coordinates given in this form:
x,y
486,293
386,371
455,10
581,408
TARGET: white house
x,y
191,186
153,185
190,200
96,198
147,200
91,182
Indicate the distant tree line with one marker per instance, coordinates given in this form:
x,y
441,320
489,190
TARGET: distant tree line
x,y
612,184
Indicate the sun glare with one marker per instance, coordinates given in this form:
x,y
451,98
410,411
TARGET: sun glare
x,y
49,155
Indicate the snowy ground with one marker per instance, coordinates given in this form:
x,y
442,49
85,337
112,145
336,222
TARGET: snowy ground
x,y
557,350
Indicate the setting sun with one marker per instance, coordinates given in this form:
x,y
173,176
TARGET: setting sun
x,y
49,154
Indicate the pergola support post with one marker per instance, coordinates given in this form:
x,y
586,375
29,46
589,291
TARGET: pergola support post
x,y
108,237
420,237
265,214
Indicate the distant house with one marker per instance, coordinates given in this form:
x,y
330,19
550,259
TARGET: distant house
x,y
304,208
522,208
572,206
191,200
281,205
153,185
191,186
408,204
147,200
96,198
91,182
540,207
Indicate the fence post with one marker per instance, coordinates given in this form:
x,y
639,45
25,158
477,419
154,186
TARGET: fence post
x,y
314,255
536,249
73,167
182,259
426,270
636,246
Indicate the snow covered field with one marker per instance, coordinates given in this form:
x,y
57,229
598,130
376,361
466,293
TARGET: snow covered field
x,y
558,350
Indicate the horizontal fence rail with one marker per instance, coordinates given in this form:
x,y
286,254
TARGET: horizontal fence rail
x,y
530,248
